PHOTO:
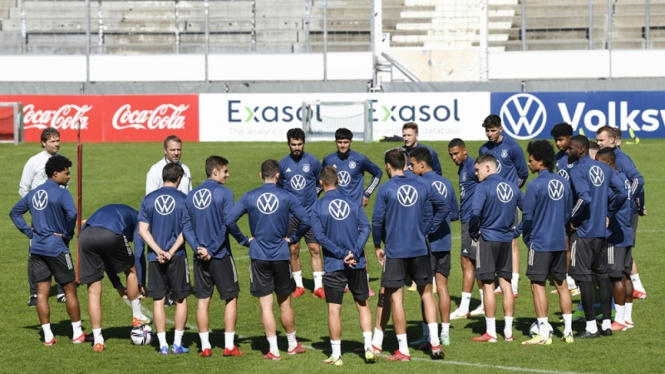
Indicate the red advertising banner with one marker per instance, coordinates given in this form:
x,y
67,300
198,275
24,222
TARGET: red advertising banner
x,y
110,118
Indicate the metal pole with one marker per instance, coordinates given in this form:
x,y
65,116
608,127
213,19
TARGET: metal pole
x,y
590,42
177,26
206,47
376,21
609,35
24,33
325,40
647,24
308,46
87,38
484,36
523,31
100,21
254,26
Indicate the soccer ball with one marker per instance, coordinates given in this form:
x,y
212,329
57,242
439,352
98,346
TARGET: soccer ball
x,y
534,330
142,335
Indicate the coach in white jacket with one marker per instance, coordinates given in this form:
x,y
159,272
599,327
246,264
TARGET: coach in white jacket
x,y
172,154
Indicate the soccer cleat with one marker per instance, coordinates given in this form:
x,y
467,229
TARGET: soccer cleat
x,y
346,289
371,357
99,347
206,352
170,300
32,301
629,325
437,353
163,351
420,341
232,352
616,326
50,342
61,298
498,291
425,347
412,287
141,321
179,349
333,361
371,293
538,340
639,295
586,335
270,356
298,292
485,338
460,314
377,351
575,292
398,356
606,332
445,338
568,338
509,338
479,311
298,349
83,338
320,293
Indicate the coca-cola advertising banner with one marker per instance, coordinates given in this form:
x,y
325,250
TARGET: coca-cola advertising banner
x,y
110,118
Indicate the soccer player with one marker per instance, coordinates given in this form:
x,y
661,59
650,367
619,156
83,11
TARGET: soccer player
x,y
269,208
439,237
34,176
53,219
410,136
341,226
495,202
351,167
172,154
592,188
467,185
546,210
402,218
511,166
204,228
619,248
160,226
104,246
299,175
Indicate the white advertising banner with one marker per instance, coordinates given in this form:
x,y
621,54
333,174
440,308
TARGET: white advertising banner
x,y
267,117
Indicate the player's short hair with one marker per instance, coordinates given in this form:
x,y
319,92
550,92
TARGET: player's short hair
x,y
542,150
457,142
169,138
617,133
422,154
213,163
329,176
593,146
492,121
343,133
295,133
396,158
611,131
269,169
48,133
410,125
580,140
488,159
607,153
172,172
56,163
561,129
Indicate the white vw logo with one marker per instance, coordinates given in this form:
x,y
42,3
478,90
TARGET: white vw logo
x,y
498,166
40,200
504,192
525,115
555,189
597,176
298,182
339,209
202,198
267,203
564,174
440,188
407,195
164,204
344,178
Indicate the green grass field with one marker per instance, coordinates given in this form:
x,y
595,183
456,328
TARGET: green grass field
x,y
115,173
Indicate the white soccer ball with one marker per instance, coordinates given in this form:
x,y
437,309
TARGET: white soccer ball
x,y
142,335
534,330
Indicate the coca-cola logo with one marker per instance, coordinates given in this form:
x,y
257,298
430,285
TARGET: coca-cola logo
x,y
165,116
67,117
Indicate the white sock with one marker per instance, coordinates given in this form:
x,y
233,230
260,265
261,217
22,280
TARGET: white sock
x,y
297,277
76,327
367,338
403,344
607,324
318,279
336,348
272,341
445,328
620,316
426,331
377,341
177,340
434,334
48,334
464,303
490,324
591,326
508,328
567,324
97,333
543,328
291,338
205,340
162,339
482,299
571,282
514,281
228,339
136,308
628,312
637,283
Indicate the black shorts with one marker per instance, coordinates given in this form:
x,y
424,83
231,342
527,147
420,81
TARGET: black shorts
x,y
173,275
440,262
619,260
102,249
542,264
395,270
588,256
468,249
335,282
493,258
61,268
219,272
633,225
266,277
294,223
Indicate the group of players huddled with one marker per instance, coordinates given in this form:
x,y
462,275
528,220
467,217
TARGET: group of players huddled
x,y
579,220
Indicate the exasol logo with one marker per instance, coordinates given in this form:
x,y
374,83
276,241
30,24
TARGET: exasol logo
x,y
523,116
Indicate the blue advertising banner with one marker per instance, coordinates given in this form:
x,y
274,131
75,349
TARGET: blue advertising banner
x,y
531,115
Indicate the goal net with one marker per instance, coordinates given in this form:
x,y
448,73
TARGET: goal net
x,y
11,122
320,119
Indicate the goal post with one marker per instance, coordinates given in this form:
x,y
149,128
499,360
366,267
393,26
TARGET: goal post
x,y
320,119
11,122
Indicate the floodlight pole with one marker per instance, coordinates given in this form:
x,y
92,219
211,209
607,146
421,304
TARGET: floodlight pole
x,y
376,24
484,40
325,40
87,38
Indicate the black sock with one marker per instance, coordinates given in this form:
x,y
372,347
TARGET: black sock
x,y
586,288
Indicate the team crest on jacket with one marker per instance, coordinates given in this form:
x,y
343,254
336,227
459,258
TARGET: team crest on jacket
x,y
407,195
504,192
339,209
555,189
463,177
504,153
596,175
298,182
165,204
202,198
306,168
267,203
352,164
344,178
40,200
